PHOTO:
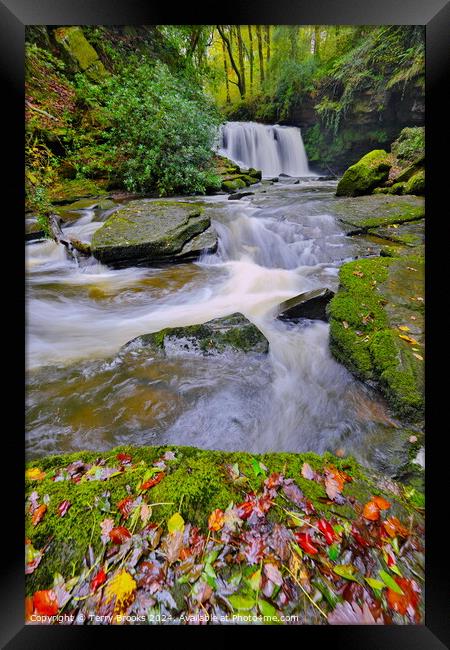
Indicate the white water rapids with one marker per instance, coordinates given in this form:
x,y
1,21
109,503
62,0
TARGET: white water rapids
x,y
272,149
86,391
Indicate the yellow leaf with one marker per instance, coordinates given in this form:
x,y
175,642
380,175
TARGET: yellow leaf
x,y
409,339
417,356
176,522
404,328
345,324
34,474
122,586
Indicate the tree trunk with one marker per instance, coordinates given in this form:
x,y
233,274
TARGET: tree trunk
x,y
260,55
227,40
316,41
225,68
267,35
250,51
241,58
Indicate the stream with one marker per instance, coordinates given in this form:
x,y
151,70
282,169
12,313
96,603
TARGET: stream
x,y
88,389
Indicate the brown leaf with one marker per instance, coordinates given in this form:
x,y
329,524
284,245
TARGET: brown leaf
x,y
38,514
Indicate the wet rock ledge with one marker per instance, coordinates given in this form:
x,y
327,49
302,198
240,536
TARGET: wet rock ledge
x,y
153,232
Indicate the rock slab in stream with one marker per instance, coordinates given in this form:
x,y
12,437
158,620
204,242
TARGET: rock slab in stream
x,y
311,304
153,232
232,332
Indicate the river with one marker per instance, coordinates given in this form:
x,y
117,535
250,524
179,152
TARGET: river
x,y
87,389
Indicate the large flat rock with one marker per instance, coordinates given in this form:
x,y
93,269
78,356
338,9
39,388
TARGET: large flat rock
x,y
362,214
152,232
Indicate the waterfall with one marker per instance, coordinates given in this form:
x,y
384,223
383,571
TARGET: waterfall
x,y
274,149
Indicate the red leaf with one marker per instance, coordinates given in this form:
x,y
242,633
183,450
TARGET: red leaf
x,y
327,530
45,602
63,507
119,534
245,509
98,579
305,542
124,458
152,481
359,538
125,507
38,514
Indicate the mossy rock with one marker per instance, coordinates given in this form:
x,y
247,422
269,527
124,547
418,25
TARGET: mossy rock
x,y
362,177
233,184
360,214
233,332
195,483
80,51
410,144
365,316
68,191
153,231
416,184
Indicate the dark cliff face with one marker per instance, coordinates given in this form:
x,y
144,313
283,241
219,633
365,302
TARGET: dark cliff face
x,y
373,122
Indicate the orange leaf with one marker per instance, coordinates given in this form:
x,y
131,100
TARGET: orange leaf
x,y
401,603
371,511
28,607
381,503
216,520
38,514
393,527
45,602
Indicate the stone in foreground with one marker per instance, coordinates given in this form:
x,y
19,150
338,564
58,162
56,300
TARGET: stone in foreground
x,y
154,232
311,304
232,332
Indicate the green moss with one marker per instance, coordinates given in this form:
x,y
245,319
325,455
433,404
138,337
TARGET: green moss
x,y
362,177
233,185
80,51
233,331
416,184
410,144
68,191
363,339
195,484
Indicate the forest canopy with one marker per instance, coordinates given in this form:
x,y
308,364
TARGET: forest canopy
x,y
138,108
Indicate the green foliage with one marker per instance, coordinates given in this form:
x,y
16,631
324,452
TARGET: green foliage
x,y
163,129
410,144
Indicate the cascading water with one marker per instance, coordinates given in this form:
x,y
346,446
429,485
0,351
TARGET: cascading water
x,y
86,391
272,149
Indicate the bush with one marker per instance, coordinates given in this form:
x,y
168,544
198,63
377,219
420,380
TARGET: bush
x,y
163,129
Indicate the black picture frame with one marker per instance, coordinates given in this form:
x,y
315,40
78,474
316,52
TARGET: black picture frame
x,y
435,15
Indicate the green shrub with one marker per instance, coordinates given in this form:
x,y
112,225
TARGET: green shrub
x,y
163,129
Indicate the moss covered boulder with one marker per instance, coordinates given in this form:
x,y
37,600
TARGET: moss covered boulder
x,y
362,177
376,328
80,51
152,232
233,332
